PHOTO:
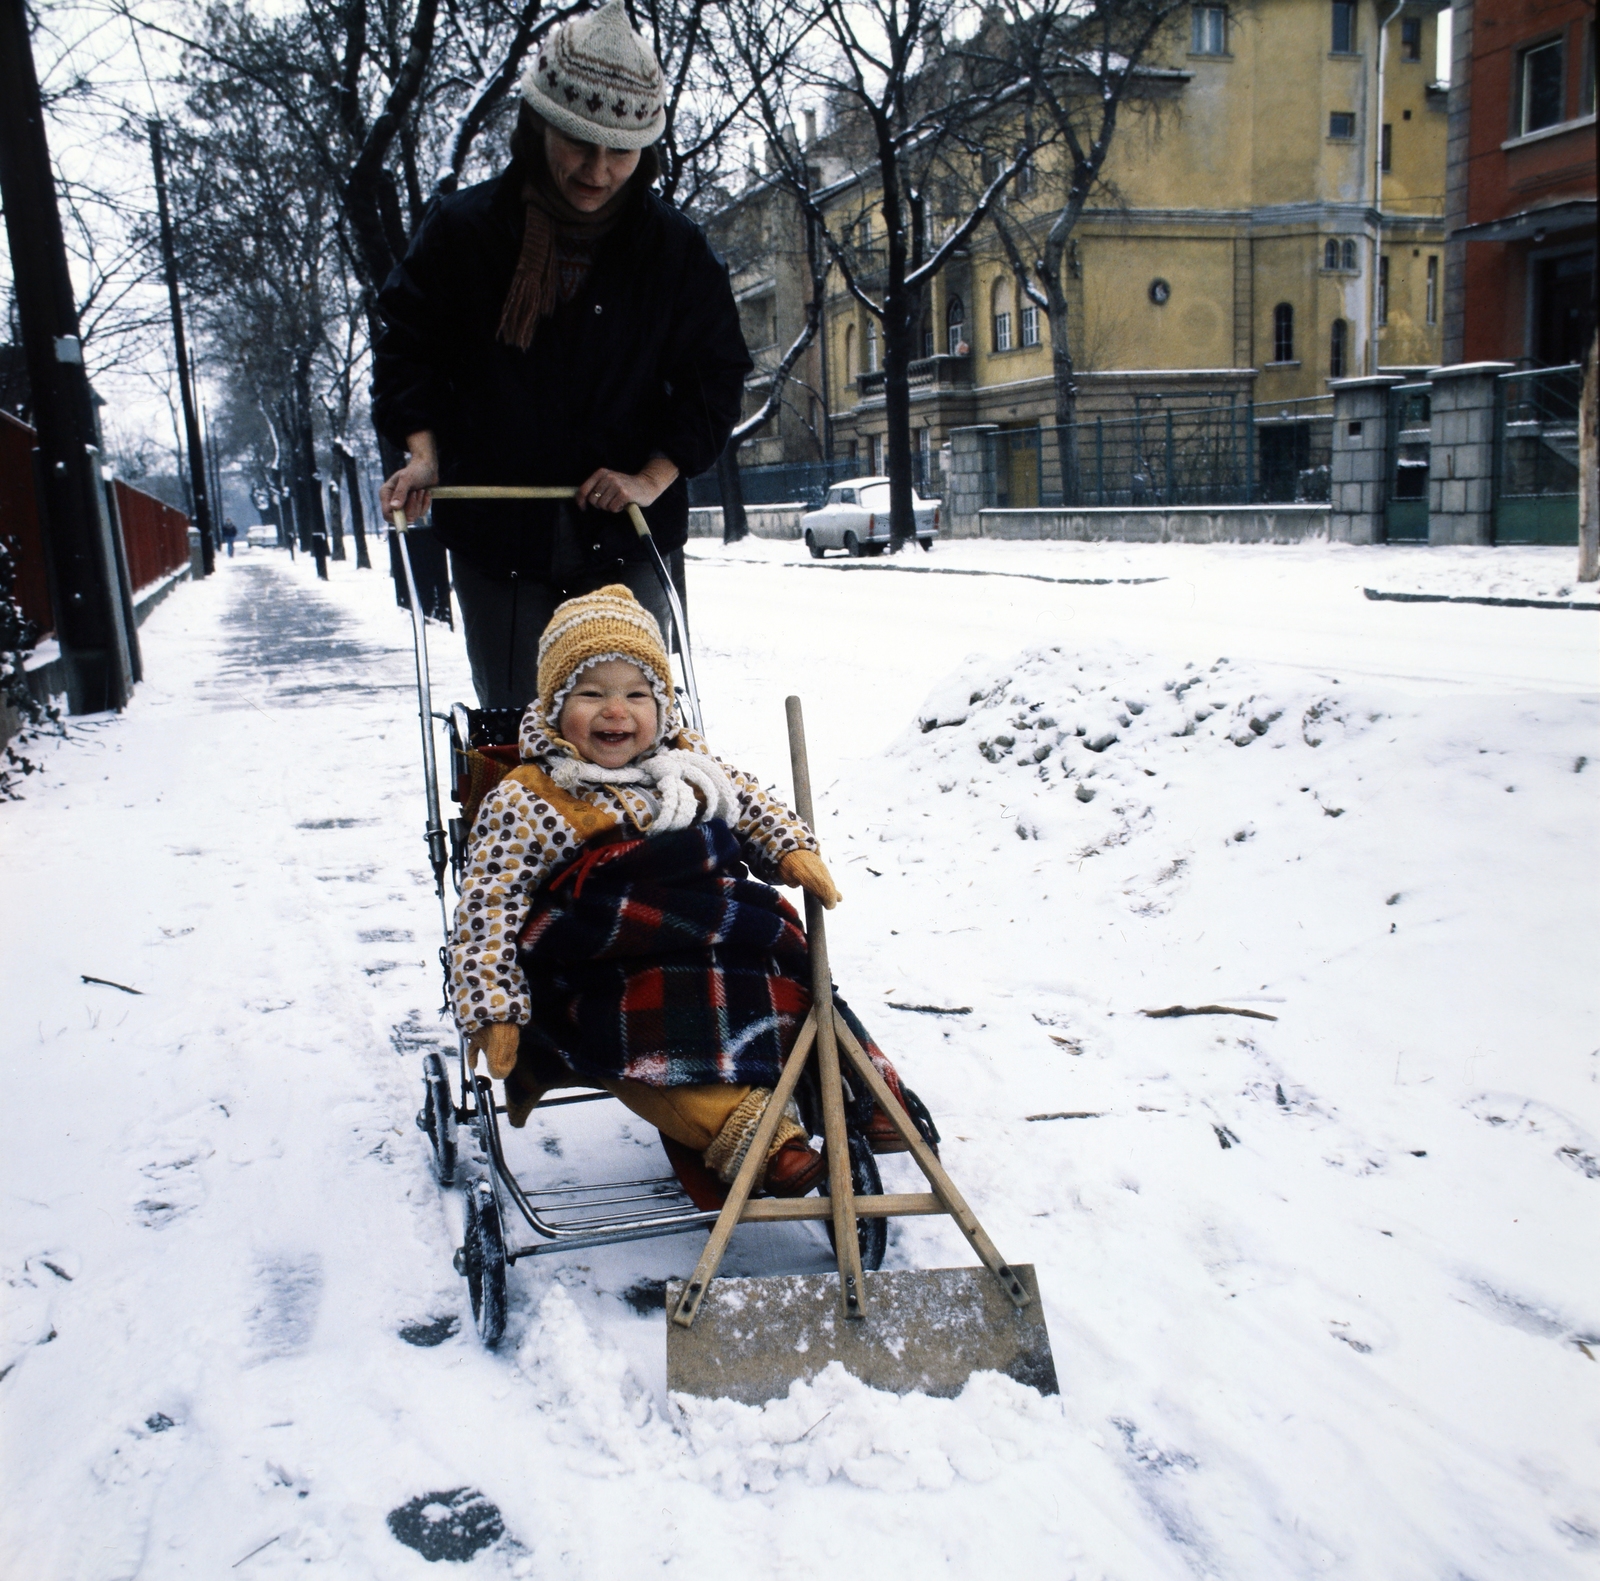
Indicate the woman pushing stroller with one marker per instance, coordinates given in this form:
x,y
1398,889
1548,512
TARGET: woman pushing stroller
x,y
607,932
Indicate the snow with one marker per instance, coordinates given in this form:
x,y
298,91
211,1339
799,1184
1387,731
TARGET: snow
x,y
1322,1289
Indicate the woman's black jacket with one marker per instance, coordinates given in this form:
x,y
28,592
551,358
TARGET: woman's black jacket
x,y
647,357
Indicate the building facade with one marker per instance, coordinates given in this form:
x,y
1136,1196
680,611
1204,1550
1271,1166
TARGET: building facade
x,y
1271,234
1520,258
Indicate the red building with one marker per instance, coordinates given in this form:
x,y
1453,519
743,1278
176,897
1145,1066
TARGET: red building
x,y
1520,185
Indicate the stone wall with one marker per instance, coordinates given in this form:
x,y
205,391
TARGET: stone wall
x,y
1170,524
1461,466
966,482
764,521
1360,463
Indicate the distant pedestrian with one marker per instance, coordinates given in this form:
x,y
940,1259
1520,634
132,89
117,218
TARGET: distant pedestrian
x,y
229,533
559,325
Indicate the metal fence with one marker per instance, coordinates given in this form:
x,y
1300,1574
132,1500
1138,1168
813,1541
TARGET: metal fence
x,y
1216,451
809,481
1536,456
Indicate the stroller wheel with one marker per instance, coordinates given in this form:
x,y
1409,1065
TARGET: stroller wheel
x,y
437,1118
872,1235
483,1261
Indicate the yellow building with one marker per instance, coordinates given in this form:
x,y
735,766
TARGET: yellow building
x,y
1270,233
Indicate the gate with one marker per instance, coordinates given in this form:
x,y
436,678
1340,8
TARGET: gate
x,y
1536,456
1405,509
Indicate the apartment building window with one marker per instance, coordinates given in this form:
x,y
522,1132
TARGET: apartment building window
x,y
1586,92
1001,314
877,455
1030,325
1344,27
1541,84
851,368
1342,125
1433,289
1022,185
1208,30
1283,332
928,347
1386,149
1338,348
1338,254
955,327
872,345
1411,38
1383,289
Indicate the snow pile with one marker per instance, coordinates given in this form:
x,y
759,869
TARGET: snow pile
x,y
837,1427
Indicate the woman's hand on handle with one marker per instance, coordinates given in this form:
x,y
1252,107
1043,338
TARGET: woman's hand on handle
x,y
608,490
409,487
499,1042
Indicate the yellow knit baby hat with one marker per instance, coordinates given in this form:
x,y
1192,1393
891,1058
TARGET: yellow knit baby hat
x,y
610,624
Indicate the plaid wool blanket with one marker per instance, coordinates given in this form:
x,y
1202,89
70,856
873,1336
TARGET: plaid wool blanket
x,y
663,962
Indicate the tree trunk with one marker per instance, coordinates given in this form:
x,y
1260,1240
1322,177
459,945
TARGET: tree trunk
x,y
305,448
900,321
336,520
731,487
358,514
1063,373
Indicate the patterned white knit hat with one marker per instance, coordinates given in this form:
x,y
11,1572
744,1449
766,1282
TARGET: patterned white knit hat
x,y
596,80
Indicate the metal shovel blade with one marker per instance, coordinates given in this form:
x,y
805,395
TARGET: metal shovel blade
x,y
926,1330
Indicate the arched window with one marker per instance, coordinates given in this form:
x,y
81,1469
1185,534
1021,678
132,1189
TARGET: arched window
x,y
850,368
1350,253
1338,347
1330,254
928,347
1000,301
1283,332
872,345
955,326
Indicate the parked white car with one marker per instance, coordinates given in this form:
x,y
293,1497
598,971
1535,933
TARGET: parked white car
x,y
855,518
262,536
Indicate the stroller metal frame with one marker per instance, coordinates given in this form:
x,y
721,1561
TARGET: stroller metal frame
x,y
560,1218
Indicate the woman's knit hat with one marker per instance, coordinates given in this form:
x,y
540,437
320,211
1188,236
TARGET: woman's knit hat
x,y
610,624
596,80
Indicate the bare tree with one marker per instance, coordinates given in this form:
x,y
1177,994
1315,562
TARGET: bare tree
x,y
903,108
1085,63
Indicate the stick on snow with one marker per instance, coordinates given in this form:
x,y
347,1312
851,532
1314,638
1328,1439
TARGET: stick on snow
x,y
105,982
1206,1010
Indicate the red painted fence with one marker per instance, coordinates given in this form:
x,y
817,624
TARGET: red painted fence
x,y
155,535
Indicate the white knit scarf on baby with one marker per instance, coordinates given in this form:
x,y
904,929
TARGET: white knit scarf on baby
x,y
673,775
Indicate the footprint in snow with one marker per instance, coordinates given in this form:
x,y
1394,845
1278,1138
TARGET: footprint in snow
x,y
128,1470
454,1525
1574,1146
285,1313
433,1332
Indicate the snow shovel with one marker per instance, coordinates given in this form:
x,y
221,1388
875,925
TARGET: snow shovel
x,y
929,1331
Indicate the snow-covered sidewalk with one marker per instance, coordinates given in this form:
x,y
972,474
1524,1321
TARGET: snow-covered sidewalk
x,y
1322,1288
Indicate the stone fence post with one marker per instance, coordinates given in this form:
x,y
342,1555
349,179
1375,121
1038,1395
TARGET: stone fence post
x,y
1359,475
1461,459
968,480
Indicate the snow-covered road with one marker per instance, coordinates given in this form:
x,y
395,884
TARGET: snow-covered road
x,y
1323,1289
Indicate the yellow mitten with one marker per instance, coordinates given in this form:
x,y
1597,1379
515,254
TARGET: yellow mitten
x,y
806,870
499,1042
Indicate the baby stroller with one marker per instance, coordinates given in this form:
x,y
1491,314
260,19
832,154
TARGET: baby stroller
x,y
508,1217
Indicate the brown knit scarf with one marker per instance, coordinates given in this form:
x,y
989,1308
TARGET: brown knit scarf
x,y
552,231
